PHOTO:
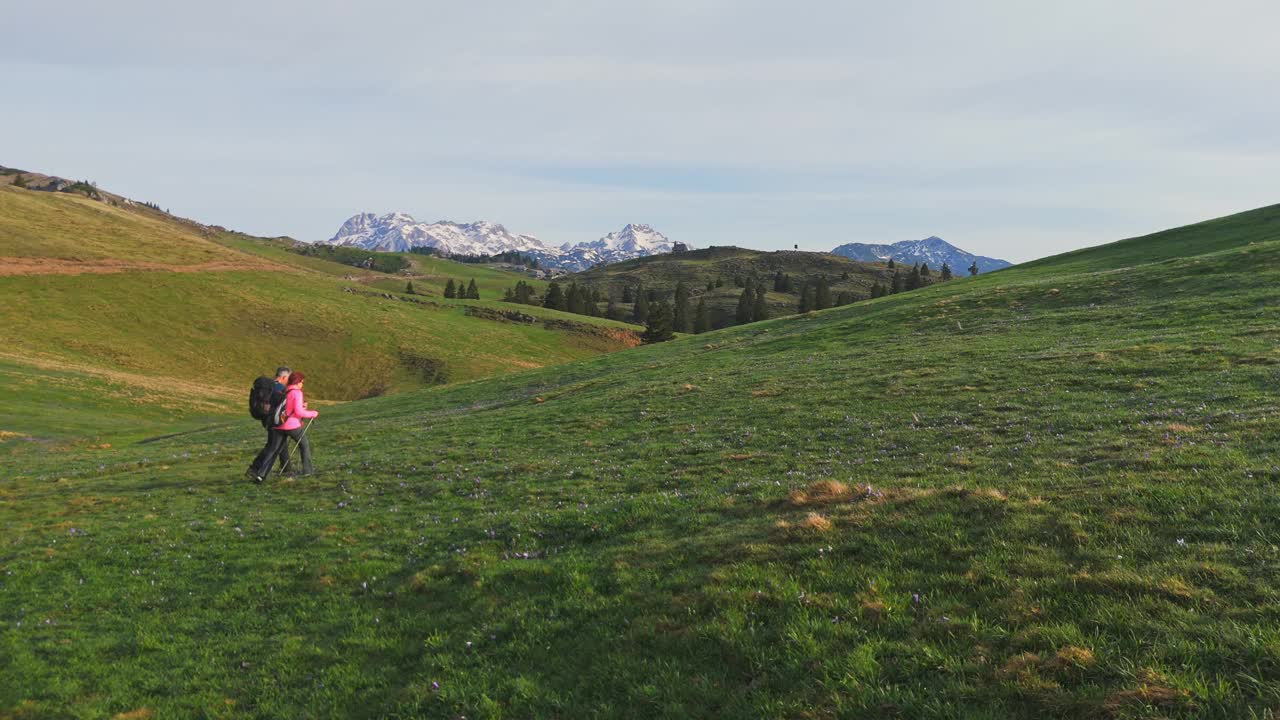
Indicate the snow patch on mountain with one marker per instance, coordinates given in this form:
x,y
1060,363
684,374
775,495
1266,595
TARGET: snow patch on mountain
x,y
400,232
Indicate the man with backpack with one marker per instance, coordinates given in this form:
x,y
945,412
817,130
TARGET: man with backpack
x,y
265,401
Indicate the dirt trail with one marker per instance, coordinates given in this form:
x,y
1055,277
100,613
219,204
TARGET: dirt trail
x,y
63,266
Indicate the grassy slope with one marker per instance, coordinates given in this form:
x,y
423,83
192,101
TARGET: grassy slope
x,y
170,335
55,225
697,268
1072,465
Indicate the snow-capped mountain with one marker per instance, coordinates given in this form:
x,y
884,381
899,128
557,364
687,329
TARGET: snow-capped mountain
x,y
932,250
631,241
400,232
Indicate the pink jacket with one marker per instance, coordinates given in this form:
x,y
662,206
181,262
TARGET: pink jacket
x,y
295,409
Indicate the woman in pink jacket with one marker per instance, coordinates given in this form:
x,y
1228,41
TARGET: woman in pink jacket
x,y
295,411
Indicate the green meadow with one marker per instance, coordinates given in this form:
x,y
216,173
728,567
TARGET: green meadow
x,y
1050,491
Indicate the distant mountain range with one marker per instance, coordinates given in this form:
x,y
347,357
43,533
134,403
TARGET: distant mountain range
x,y
932,250
399,232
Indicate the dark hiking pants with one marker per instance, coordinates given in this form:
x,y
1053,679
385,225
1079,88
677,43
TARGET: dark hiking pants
x,y
299,436
275,450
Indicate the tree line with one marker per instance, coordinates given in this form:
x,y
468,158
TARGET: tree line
x,y
680,312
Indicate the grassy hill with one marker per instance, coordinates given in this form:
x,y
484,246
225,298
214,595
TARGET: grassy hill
x,y
697,268
1046,492
173,319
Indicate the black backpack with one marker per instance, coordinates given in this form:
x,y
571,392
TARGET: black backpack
x,y
260,398
266,404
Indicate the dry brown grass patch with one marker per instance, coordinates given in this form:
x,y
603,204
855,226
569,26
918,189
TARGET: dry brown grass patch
x,y
1178,588
1069,658
1019,665
820,493
1181,428
874,609
688,387
815,522
141,713
812,523
977,492
766,392
1153,689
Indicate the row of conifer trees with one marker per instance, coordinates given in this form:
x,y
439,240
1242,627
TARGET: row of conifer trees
x,y
681,314
459,291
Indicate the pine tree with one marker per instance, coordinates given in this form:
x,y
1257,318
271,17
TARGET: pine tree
x,y
574,301
746,307
760,308
844,275
641,312
946,272
612,311
473,292
524,293
450,290
628,295
844,298
914,281
701,317
924,270
973,269
408,288
658,328
899,283
719,281
19,181
555,297
509,296
683,319
779,282
805,305
822,294
891,265
711,285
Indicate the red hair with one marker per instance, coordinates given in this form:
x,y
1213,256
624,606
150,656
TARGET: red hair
x,y
296,377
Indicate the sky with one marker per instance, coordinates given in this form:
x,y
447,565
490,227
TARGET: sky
x,y
1011,129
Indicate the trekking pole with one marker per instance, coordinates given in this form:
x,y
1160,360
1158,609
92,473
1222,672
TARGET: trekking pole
x,y
295,445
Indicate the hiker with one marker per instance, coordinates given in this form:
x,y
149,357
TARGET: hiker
x,y
276,397
295,411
